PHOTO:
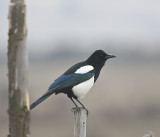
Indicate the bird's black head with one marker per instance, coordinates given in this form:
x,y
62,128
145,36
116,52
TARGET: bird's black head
x,y
98,59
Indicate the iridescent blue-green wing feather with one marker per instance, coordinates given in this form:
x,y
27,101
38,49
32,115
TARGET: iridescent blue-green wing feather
x,y
66,81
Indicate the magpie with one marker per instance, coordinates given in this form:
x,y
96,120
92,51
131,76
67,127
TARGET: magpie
x,y
77,81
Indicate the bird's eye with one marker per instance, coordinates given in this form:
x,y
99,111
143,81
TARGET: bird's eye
x,y
101,56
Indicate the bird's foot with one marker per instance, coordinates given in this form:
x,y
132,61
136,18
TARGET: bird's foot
x,y
87,112
78,109
74,109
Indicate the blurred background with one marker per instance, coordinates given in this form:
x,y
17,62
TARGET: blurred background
x,y
125,101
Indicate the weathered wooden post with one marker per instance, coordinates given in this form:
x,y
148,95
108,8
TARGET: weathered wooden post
x,y
80,116
19,116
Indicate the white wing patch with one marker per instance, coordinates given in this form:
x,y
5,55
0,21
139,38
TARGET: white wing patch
x,y
84,69
83,88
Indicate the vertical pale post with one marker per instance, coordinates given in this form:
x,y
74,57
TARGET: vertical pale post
x,y
80,116
19,116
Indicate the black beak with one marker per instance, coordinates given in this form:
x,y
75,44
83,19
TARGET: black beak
x,y
110,56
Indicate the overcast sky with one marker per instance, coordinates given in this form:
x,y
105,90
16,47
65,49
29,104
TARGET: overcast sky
x,y
49,21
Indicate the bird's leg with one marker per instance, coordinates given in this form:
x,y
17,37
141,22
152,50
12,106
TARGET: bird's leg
x,y
83,106
74,102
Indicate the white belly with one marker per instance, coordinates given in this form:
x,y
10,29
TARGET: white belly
x,y
82,89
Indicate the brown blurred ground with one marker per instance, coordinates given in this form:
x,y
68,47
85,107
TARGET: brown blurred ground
x,y
125,101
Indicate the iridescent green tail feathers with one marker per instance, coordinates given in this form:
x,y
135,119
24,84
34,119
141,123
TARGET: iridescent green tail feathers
x,y
41,99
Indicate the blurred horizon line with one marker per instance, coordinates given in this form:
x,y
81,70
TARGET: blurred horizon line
x,y
67,53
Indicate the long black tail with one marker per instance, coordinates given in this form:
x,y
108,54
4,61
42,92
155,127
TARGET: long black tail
x,y
42,98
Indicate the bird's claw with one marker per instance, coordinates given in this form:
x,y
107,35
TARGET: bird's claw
x,y
77,109
87,112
